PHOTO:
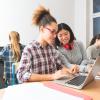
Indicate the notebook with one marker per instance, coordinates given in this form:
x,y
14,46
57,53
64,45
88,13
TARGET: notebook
x,y
81,79
38,91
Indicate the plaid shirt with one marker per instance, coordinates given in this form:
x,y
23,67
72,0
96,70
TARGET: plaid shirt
x,y
7,54
39,60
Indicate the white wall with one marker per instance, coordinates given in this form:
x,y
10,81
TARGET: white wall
x,y
80,20
62,10
17,15
89,22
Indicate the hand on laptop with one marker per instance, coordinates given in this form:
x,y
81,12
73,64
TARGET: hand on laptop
x,y
66,72
74,69
63,73
89,67
58,74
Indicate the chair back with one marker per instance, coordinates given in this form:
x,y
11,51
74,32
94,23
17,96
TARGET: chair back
x,y
14,69
1,73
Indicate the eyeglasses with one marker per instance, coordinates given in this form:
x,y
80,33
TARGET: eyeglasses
x,y
51,31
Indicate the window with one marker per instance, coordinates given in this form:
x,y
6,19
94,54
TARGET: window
x,y
96,6
96,17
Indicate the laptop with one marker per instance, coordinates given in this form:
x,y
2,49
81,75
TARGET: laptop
x,y
82,79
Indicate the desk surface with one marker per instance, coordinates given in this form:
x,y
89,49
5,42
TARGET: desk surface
x,y
92,90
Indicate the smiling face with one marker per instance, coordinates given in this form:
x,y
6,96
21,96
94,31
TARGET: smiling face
x,y
97,42
64,36
49,33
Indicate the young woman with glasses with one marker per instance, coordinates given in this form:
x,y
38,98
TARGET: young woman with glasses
x,y
40,61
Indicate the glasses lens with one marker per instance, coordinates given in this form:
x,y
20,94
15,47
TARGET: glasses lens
x,y
52,31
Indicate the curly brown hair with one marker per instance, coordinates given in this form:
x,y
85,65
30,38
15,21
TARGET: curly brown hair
x,y
42,17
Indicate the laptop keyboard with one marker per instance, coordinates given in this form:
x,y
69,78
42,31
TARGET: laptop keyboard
x,y
77,81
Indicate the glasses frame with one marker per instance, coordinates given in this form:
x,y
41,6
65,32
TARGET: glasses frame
x,y
51,31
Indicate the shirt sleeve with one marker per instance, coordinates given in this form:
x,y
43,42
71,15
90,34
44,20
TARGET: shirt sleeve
x,y
89,53
83,51
59,62
3,51
24,70
64,60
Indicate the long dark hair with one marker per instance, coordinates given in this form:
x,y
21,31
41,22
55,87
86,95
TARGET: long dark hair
x,y
65,27
94,39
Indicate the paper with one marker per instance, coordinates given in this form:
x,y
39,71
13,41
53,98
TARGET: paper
x,y
97,77
35,91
